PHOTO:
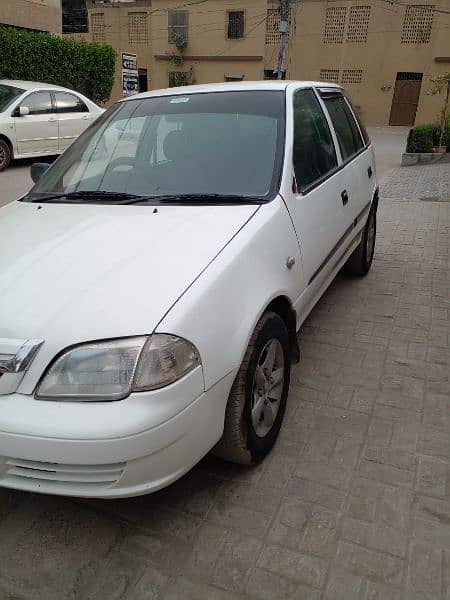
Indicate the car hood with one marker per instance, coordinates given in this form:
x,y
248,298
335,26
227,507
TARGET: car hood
x,y
71,273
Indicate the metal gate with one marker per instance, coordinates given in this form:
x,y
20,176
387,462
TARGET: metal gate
x,y
406,98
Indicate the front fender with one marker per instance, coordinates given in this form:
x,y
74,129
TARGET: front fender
x,y
219,312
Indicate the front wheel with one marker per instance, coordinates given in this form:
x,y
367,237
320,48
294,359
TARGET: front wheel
x,y
257,400
5,155
361,260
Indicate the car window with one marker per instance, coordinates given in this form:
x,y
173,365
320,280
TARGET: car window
x,y
8,94
221,143
347,132
39,103
69,103
314,151
362,127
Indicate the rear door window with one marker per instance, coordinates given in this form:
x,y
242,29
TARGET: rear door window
x,y
314,151
347,131
69,103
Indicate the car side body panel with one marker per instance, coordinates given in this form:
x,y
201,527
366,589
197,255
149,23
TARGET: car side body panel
x,y
219,312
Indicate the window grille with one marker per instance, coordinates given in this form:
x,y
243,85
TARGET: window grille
x,y
331,75
358,24
334,25
351,76
236,24
137,28
417,24
98,27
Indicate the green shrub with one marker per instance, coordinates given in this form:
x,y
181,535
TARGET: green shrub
x,y
34,56
423,137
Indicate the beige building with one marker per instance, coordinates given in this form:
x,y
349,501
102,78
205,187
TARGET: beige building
x,y
39,15
385,53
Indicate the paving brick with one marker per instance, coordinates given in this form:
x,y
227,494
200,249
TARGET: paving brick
x,y
293,565
311,491
374,535
265,585
343,585
183,589
433,477
370,564
425,572
237,556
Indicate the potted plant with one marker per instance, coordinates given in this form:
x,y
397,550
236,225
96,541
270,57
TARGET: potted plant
x,y
441,83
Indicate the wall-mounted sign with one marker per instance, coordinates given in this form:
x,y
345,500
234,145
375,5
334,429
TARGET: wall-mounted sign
x,y
130,84
129,61
130,74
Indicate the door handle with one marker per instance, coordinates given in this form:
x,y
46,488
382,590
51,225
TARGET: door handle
x,y
344,197
369,171
52,120
86,117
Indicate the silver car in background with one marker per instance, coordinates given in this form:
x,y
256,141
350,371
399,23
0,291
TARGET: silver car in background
x,y
40,119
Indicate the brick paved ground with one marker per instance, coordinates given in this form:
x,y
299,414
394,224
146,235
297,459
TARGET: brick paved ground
x,y
354,502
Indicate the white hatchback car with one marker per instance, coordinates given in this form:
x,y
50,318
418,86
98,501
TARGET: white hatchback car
x,y
152,286
40,119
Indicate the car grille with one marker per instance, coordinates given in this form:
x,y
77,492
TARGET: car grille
x,y
31,474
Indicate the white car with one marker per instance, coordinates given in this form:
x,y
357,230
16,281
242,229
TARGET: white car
x,y
40,119
152,287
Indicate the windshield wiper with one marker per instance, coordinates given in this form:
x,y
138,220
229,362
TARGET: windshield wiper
x,y
211,198
88,195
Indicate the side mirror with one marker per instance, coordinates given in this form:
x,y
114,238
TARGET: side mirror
x,y
24,111
37,170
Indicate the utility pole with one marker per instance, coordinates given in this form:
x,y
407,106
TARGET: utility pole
x,y
283,28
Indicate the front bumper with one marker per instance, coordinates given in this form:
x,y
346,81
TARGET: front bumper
x,y
104,450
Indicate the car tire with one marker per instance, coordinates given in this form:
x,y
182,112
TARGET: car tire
x,y
5,155
361,259
257,401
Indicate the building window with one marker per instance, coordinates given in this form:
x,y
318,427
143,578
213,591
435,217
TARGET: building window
x,y
178,78
98,27
178,26
334,25
417,24
358,24
331,75
351,76
272,21
137,28
236,24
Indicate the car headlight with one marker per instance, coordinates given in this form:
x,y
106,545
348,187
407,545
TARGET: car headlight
x,y
113,369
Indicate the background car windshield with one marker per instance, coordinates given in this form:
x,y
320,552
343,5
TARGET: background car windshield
x,y
7,94
219,143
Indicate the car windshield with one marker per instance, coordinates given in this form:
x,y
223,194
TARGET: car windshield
x,y
204,144
7,94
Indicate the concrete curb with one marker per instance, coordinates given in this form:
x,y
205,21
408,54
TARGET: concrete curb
x,y
426,158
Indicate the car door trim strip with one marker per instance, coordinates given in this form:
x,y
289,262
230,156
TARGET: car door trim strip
x,y
340,242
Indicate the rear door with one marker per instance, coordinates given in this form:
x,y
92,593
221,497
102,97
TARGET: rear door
x,y
73,117
315,203
358,167
37,132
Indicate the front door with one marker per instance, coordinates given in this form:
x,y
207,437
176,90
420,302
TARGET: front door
x,y
37,132
406,99
316,204
73,117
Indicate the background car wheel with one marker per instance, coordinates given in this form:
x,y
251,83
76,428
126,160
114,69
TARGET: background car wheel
x,y
360,261
257,400
5,155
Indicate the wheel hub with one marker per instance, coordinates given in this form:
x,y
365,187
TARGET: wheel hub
x,y
268,387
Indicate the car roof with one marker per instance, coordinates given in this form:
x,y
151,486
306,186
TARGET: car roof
x,y
31,85
235,86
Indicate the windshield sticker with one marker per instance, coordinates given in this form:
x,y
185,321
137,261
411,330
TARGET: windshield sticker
x,y
179,100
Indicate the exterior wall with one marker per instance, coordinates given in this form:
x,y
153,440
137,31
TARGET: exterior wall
x,y
209,55
41,15
379,58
